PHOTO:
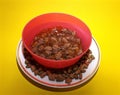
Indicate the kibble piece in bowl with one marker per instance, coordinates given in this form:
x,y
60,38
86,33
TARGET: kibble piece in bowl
x,y
57,43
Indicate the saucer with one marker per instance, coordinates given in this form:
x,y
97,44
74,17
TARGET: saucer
x,y
90,71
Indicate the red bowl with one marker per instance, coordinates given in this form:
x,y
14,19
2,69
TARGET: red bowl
x,y
56,19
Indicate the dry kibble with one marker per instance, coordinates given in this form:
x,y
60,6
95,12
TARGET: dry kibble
x,y
79,52
54,30
66,45
69,70
54,43
75,76
69,57
34,44
40,41
28,65
78,71
42,75
34,50
47,52
26,62
78,40
75,68
40,69
46,39
92,57
36,38
53,39
36,72
73,33
55,47
33,67
88,61
71,76
40,72
85,66
43,35
75,48
48,72
89,52
64,40
48,48
51,77
40,48
75,71
59,77
64,30
64,71
68,80
58,55
83,70
80,76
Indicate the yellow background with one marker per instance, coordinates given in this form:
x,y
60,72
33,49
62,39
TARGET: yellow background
x,y
101,16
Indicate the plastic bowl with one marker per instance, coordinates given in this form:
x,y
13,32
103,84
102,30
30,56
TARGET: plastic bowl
x,y
56,19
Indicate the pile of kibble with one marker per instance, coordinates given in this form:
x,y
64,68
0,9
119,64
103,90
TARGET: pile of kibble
x,y
67,74
57,43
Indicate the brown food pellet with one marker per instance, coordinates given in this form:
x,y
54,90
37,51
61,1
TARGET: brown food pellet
x,y
83,70
68,80
28,65
71,76
85,66
75,76
51,77
36,72
33,68
75,68
77,71
26,62
80,76
69,70
67,74
57,43
59,77
48,72
42,75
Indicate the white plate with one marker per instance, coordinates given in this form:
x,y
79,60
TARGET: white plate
x,y
92,68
